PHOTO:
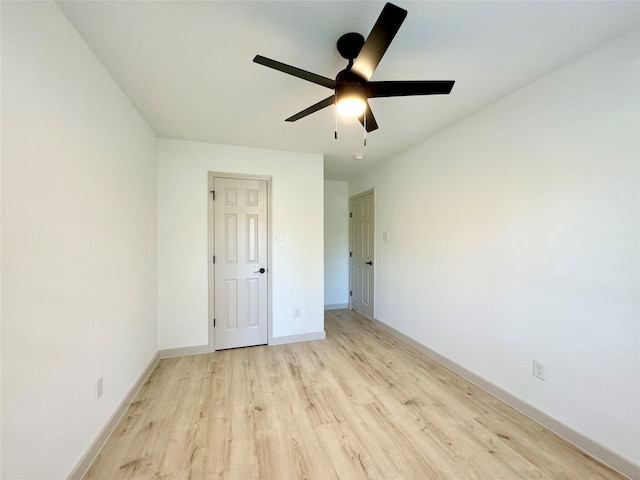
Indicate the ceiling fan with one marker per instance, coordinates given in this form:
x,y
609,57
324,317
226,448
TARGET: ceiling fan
x,y
352,86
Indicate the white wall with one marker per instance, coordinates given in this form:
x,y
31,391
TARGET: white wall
x,y
296,263
514,235
0,264
336,243
79,240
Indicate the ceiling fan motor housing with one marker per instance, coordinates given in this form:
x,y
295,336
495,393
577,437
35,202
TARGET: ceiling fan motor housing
x,y
350,80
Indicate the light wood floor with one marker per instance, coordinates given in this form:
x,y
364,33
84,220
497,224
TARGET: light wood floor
x,y
358,405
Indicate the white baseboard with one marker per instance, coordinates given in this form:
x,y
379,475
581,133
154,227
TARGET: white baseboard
x,y
203,349
303,337
336,306
588,446
186,351
94,449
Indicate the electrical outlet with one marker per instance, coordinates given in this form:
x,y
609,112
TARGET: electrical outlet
x,y
297,312
99,388
538,369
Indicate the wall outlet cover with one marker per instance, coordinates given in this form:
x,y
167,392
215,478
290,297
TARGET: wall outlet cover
x,y
538,369
99,387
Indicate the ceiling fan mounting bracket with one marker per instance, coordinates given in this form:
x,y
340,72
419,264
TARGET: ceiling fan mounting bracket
x,y
349,45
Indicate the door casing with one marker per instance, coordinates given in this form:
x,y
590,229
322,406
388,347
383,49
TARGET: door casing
x,y
211,249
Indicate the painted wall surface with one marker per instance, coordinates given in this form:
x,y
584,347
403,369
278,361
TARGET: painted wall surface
x,y
296,211
336,243
0,264
79,240
514,235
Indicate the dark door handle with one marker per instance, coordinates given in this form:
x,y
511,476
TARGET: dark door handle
x,y
369,263
262,270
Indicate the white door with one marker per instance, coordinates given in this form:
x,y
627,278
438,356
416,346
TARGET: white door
x,y
361,228
240,249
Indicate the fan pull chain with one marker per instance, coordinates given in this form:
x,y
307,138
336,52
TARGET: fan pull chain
x,y
335,132
365,128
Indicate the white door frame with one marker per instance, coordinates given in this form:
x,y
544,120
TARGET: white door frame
x,y
210,249
351,199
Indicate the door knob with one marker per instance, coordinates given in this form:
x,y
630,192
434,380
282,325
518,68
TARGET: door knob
x,y
262,270
369,263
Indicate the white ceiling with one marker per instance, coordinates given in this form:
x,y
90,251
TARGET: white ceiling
x,y
187,66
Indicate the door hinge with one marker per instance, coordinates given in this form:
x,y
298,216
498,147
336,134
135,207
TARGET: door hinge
x,y
350,214
350,293
214,323
351,254
213,195
213,260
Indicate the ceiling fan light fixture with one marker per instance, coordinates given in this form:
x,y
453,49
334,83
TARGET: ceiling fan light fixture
x,y
350,100
351,106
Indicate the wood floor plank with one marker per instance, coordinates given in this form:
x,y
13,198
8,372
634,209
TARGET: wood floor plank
x,y
359,405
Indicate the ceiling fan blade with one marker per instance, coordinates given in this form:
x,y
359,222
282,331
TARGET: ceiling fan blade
x,y
371,123
296,72
406,88
313,108
378,41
